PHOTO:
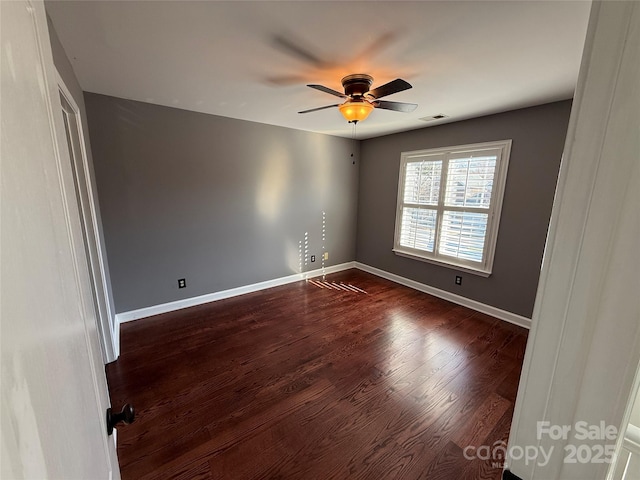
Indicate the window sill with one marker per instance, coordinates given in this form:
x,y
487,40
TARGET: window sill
x,y
453,266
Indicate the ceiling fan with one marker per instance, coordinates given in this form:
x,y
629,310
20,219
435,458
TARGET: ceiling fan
x,y
360,100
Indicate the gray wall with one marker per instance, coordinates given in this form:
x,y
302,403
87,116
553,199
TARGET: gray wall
x,y
64,68
221,202
538,135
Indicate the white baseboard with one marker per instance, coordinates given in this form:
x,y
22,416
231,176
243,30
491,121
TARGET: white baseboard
x,y
452,297
116,337
233,292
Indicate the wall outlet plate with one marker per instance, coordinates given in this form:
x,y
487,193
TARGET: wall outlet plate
x,y
458,280
313,258
182,283
326,255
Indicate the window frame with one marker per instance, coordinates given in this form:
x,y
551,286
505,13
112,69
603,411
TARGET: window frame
x,y
494,211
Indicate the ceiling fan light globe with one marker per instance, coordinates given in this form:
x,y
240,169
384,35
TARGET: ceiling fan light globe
x,y
356,111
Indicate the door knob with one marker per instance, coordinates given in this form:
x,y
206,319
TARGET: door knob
x,y
127,416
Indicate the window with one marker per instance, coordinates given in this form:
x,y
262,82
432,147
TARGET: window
x,y
449,202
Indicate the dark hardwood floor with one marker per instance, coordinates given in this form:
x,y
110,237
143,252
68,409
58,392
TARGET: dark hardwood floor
x,y
312,381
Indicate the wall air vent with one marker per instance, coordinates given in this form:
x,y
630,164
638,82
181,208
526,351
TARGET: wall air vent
x,y
433,118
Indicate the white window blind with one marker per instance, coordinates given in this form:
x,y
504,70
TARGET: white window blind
x,y
449,202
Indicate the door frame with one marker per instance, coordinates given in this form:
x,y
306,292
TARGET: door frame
x,y
96,261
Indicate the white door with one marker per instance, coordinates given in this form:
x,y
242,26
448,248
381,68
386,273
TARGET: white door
x,y
584,346
54,392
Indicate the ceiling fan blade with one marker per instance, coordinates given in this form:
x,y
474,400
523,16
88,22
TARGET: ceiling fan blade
x,y
319,108
286,79
322,88
395,106
395,86
378,44
293,47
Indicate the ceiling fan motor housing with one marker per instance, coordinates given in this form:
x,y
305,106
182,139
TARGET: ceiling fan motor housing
x,y
357,85
361,100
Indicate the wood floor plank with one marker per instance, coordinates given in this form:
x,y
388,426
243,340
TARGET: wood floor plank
x,y
482,422
302,381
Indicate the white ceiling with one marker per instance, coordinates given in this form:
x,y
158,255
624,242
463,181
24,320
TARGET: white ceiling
x,y
238,58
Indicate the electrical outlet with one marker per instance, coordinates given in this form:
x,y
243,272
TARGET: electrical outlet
x,y
458,280
326,255
313,258
182,282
